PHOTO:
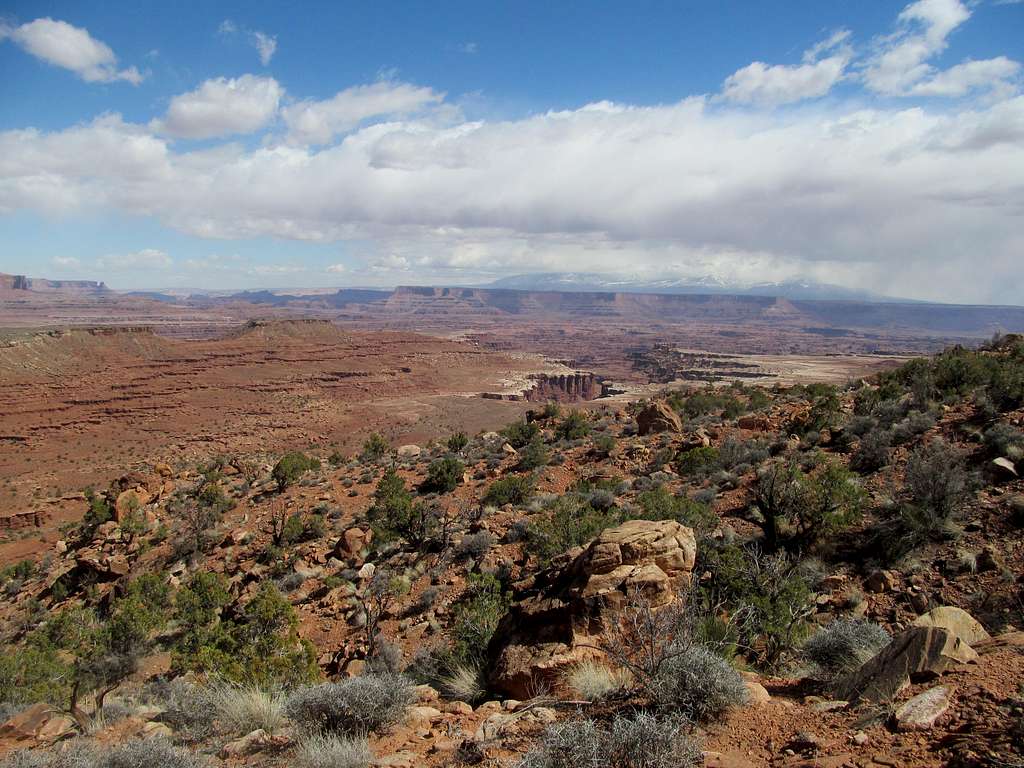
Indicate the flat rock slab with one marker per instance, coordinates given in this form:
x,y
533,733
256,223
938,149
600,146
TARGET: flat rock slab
x,y
921,712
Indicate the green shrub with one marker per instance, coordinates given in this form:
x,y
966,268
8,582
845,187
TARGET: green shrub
x,y
259,647
574,426
696,460
375,448
514,489
766,597
457,442
659,504
533,455
394,514
571,523
803,508
520,433
291,467
475,616
444,475
604,445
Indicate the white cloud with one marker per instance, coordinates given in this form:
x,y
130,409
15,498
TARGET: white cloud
x,y
970,75
901,59
66,261
265,45
222,107
469,47
759,83
227,27
318,122
337,268
147,258
72,48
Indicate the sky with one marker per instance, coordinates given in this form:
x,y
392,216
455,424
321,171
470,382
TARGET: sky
x,y
191,146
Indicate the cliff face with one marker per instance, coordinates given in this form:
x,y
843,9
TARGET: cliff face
x,y
23,283
563,388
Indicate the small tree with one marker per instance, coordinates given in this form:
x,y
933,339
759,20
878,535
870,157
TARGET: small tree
x,y
375,447
810,506
533,455
935,482
458,442
291,467
444,475
574,426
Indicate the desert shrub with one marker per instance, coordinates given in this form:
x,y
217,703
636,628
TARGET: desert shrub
x,y
696,461
260,646
595,681
533,455
659,504
699,684
375,447
353,707
185,708
520,433
444,475
604,445
571,523
457,442
734,453
99,511
935,482
1004,439
873,452
574,426
845,644
513,489
319,750
244,708
474,545
805,507
766,597
475,616
393,513
463,682
641,740
601,499
291,467
143,753
916,423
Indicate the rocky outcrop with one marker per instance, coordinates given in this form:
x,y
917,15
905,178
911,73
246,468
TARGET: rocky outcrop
x,y
658,417
917,653
563,388
560,612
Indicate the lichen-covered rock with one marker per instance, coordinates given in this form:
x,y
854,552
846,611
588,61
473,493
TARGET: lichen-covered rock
x,y
921,712
559,614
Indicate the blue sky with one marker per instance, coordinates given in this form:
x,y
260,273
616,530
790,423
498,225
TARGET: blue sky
x,y
219,145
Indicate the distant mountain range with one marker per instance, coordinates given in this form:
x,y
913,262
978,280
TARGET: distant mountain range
x,y
588,282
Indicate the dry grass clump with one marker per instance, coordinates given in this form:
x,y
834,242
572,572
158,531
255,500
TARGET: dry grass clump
x,y
595,681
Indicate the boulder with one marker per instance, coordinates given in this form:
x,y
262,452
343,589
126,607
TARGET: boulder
x,y
881,581
921,712
754,422
131,500
558,615
409,451
956,620
251,743
919,652
658,417
38,723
